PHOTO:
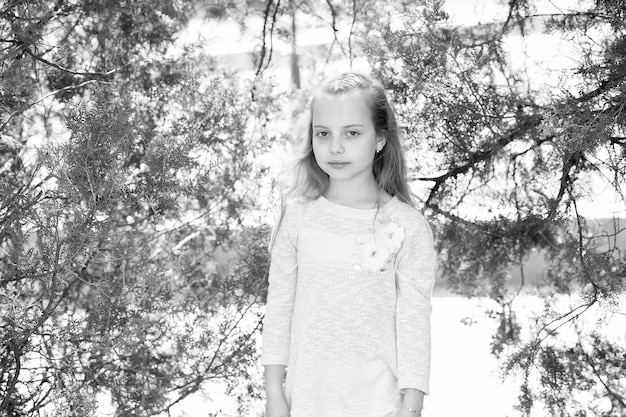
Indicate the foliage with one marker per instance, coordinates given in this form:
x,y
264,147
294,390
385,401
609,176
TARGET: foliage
x,y
526,159
129,175
504,165
123,198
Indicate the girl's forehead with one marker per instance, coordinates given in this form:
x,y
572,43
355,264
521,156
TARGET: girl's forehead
x,y
351,107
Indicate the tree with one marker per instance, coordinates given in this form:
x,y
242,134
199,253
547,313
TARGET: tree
x,y
521,157
128,267
525,158
123,194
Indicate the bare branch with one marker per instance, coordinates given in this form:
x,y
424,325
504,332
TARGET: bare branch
x,y
354,11
333,25
266,16
333,14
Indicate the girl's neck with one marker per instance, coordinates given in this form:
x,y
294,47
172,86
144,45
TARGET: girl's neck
x,y
366,196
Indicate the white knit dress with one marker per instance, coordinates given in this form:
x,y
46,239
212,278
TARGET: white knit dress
x,y
348,308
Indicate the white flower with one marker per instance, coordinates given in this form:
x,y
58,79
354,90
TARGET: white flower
x,y
377,250
373,256
391,236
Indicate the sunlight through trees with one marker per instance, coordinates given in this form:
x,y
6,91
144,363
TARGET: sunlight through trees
x,y
135,186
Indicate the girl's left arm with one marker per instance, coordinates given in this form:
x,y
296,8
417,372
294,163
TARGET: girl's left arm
x,y
415,269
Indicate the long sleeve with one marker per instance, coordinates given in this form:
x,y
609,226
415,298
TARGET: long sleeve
x,y
281,292
415,269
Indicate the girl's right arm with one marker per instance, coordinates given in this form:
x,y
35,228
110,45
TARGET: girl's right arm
x,y
276,404
278,313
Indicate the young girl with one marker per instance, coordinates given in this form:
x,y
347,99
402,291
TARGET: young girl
x,y
352,269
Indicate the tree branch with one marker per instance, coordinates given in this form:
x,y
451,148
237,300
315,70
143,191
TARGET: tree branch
x,y
528,123
620,399
354,11
17,353
69,71
457,219
563,183
53,93
581,249
266,15
333,25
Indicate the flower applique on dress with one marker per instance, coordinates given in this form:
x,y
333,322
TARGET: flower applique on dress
x,y
376,250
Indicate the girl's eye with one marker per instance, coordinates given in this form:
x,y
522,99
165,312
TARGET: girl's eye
x,y
321,134
353,133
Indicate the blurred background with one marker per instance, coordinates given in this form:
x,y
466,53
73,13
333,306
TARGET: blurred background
x,y
141,150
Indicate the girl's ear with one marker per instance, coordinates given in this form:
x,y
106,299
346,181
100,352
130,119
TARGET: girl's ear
x,y
380,143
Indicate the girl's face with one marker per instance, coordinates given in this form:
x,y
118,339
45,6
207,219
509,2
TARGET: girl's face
x,y
344,138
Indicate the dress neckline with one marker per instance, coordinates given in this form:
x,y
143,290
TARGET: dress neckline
x,y
353,211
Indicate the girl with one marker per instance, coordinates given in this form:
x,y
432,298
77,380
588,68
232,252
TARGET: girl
x,y
352,269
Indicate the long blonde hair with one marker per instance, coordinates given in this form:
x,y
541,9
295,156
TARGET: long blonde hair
x,y
309,181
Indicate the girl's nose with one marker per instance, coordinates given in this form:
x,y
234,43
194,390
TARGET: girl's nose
x,y
336,146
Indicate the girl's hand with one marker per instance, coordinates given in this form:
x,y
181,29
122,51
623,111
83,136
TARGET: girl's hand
x,y
403,412
276,406
414,399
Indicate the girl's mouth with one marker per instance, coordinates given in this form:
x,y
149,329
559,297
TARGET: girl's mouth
x,y
338,164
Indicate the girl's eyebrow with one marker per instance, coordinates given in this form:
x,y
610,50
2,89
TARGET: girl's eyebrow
x,y
343,127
